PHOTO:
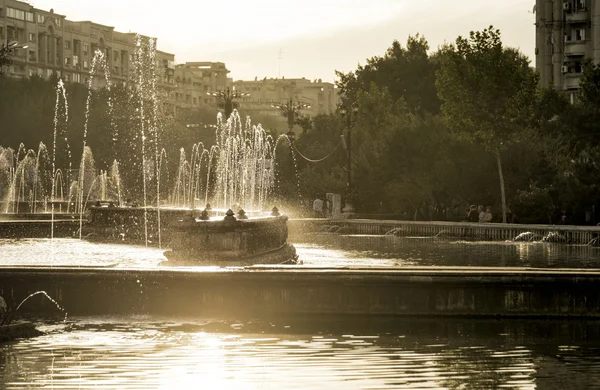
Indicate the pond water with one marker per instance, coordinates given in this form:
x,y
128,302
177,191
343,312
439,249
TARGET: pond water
x,y
322,250
307,353
144,353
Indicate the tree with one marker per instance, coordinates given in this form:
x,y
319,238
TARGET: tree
x,y
589,85
487,93
5,57
407,73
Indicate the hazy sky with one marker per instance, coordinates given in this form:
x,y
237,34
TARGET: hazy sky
x,y
315,37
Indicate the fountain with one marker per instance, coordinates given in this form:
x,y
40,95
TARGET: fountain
x,y
236,173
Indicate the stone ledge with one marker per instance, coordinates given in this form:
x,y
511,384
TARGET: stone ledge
x,y
18,330
275,291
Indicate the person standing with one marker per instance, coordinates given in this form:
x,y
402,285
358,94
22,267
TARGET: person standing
x,y
318,207
473,215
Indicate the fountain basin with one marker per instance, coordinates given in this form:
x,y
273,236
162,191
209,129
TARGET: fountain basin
x,y
236,242
264,292
217,241
131,224
18,330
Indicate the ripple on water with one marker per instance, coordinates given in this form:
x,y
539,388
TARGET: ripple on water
x,y
136,354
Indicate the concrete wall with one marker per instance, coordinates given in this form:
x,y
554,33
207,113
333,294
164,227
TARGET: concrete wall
x,y
268,292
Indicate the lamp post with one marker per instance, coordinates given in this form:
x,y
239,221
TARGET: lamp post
x,y
227,100
291,111
6,51
349,116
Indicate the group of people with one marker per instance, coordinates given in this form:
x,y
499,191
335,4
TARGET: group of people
x,y
479,214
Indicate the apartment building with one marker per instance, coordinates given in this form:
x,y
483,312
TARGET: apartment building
x,y
56,45
567,32
195,80
321,96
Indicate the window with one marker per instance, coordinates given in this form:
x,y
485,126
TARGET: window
x,y
31,37
29,16
116,55
67,44
195,101
40,72
579,5
40,18
67,77
86,48
58,22
67,61
15,13
85,64
75,60
76,78
32,55
48,72
578,34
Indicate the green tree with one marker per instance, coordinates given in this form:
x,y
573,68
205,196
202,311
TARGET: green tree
x,y
321,144
487,93
407,73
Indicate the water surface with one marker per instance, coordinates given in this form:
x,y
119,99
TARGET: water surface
x,y
321,250
144,353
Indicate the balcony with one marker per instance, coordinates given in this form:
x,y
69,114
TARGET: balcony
x,y
575,17
575,48
571,81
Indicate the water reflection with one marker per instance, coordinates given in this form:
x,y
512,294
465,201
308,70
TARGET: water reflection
x,y
343,250
134,353
322,250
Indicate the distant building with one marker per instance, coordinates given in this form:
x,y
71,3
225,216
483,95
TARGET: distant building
x,y
195,80
66,48
567,32
321,96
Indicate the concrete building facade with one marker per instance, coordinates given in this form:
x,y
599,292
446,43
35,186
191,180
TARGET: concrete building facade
x,y
567,32
321,96
65,48
195,80
56,45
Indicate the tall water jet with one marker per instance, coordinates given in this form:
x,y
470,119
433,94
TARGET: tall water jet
x,y
98,63
144,94
284,137
6,170
244,163
61,118
27,179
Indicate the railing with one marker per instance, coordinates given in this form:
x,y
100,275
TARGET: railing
x,y
485,231
580,16
572,81
575,48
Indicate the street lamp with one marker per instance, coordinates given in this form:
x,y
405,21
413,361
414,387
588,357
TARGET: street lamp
x,y
227,98
291,111
6,51
349,116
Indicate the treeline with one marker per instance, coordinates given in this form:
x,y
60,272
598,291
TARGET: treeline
x,y
433,133
113,131
466,124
